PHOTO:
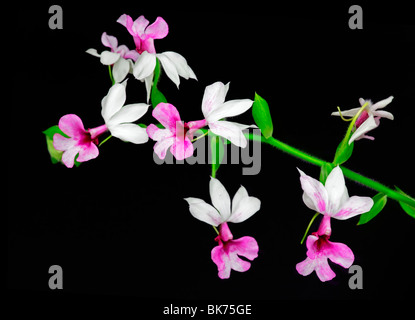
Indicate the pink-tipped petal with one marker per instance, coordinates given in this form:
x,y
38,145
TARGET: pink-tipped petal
x,y
109,41
340,254
353,207
315,191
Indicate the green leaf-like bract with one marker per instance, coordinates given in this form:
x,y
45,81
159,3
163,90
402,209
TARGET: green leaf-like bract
x,y
262,116
379,202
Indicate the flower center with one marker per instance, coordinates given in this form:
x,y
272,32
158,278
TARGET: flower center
x,y
362,118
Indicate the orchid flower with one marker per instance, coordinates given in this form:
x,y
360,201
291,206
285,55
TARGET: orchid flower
x,y
117,119
80,142
177,134
120,57
332,199
320,249
173,63
369,119
215,108
225,255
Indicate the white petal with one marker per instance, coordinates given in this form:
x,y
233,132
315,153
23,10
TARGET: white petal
x,y
366,126
148,83
128,113
181,65
346,113
109,58
336,190
239,195
214,97
229,109
220,198
204,211
94,52
314,192
244,209
129,132
230,131
113,101
120,70
170,68
354,206
383,114
144,65
381,104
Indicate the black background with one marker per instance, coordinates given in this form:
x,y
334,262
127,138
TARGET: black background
x,y
118,224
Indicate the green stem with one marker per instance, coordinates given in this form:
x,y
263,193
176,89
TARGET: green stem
x,y
309,225
347,172
111,77
105,140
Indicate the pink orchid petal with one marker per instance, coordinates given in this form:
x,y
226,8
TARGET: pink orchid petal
x,y
306,267
314,193
109,41
222,261
158,29
139,25
340,254
167,115
353,207
182,148
323,270
225,232
71,125
161,146
87,152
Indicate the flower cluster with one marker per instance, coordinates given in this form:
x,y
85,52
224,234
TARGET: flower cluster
x,y
71,144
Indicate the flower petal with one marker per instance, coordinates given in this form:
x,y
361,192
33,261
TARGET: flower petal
x,y
161,146
230,131
366,126
128,113
71,125
246,247
340,254
139,26
229,109
120,69
93,52
214,97
167,115
336,190
180,64
323,270
306,267
158,29
204,211
109,41
347,113
220,198
381,104
353,207
244,209
144,66
315,191
170,68
108,58
222,261
113,101
383,114
182,148
129,132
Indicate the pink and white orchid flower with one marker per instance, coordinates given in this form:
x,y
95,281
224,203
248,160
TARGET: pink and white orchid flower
x,y
320,249
118,120
332,199
120,57
215,109
225,255
173,63
177,134
81,142
369,119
